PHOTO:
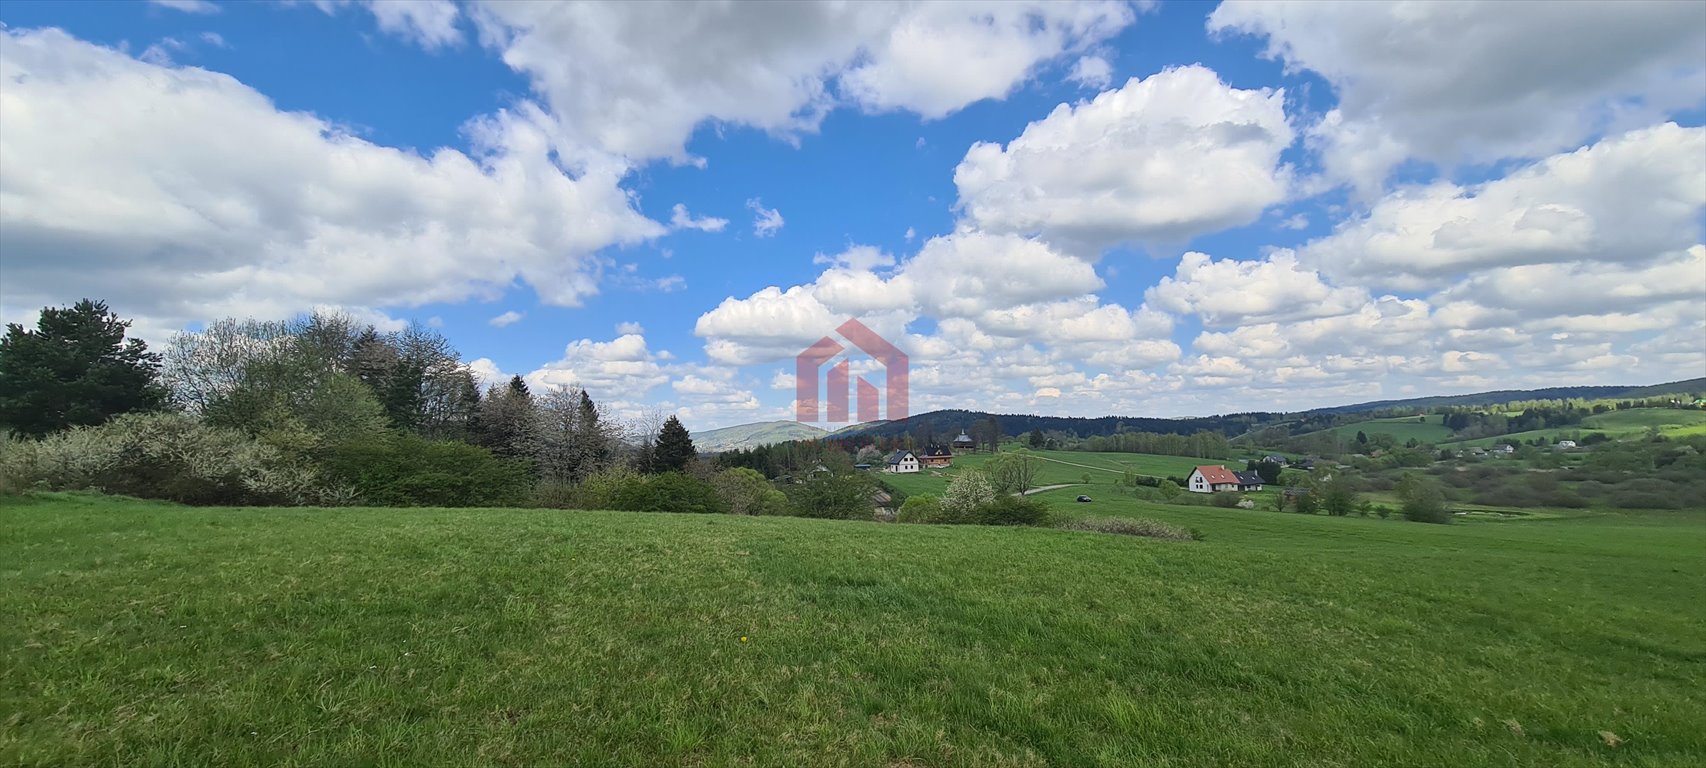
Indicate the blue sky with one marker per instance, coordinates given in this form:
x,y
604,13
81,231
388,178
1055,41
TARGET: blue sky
x,y
1074,208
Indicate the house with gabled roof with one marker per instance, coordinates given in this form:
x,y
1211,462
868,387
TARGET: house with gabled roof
x,y
1249,481
936,457
903,462
1210,479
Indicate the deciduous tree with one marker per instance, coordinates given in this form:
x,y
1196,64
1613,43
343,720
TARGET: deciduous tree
x,y
1013,472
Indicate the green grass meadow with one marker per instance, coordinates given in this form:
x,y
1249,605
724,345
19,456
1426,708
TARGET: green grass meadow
x,y
142,634
1402,429
1060,467
1631,424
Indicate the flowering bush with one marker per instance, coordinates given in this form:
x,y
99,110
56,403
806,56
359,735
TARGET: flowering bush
x,y
166,456
969,492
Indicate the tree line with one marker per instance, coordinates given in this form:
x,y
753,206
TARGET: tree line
x,y
326,410
319,409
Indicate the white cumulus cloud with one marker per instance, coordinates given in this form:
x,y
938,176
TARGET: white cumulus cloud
x,y
1455,82
195,197
1157,162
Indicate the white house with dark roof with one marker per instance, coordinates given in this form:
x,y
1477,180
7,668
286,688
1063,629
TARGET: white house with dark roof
x,y
903,462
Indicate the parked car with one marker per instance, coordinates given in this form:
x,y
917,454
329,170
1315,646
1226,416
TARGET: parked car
x,y
1084,499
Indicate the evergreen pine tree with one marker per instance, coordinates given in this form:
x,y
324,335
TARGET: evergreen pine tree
x,y
674,449
75,369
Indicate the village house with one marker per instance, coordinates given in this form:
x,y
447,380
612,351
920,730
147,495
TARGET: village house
x,y
903,462
1249,481
1565,445
1504,448
1210,479
963,442
936,457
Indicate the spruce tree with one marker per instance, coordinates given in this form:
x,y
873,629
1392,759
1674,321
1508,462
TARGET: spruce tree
x,y
75,369
674,449
595,443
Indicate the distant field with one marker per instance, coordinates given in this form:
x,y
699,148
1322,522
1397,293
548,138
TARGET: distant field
x,y
1618,425
1636,421
1516,438
1427,429
1061,467
141,634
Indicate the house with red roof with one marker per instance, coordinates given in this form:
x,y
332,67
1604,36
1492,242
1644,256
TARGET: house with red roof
x,y
1209,479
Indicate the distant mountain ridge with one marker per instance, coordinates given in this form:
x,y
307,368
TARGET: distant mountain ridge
x,y
754,435
1508,395
949,422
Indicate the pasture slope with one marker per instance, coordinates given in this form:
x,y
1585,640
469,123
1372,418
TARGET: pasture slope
x,y
1427,429
141,634
1631,424
1060,467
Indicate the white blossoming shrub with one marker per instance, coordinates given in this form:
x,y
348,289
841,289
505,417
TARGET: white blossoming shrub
x,y
968,492
162,456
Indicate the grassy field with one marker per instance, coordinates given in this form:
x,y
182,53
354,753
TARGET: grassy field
x,y
1061,467
1432,430
1617,425
1636,421
140,634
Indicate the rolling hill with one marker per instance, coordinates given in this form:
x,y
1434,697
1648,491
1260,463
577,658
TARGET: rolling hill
x,y
1617,425
753,435
1427,429
951,421
1509,395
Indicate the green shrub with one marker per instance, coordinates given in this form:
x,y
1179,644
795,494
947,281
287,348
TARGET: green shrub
x,y
554,494
827,495
167,456
403,470
1013,510
599,490
920,509
668,492
1129,526
1423,499
1146,493
1226,499
746,492
1643,500
998,510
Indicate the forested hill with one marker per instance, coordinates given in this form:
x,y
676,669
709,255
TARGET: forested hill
x,y
947,424
944,425
1686,386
